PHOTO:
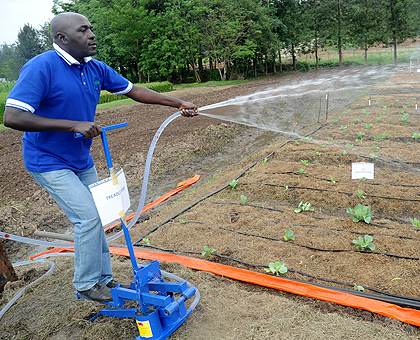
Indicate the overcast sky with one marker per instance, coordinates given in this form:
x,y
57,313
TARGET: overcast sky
x,y
16,13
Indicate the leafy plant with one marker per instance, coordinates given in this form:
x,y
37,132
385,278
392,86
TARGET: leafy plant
x,y
360,134
183,221
365,243
332,180
374,147
343,127
146,241
207,252
415,136
405,117
289,235
298,143
330,139
372,155
360,194
317,153
304,161
277,268
265,160
358,288
308,138
363,179
360,213
345,152
380,137
234,184
244,199
357,120
415,222
348,145
368,126
301,171
304,207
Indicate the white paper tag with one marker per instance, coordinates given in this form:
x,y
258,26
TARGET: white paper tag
x,y
111,199
362,169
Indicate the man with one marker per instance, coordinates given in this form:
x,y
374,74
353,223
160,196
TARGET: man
x,y
56,96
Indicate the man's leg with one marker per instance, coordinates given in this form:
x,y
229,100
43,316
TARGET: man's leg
x,y
70,190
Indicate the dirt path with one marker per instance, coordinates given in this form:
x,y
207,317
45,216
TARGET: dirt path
x,y
230,309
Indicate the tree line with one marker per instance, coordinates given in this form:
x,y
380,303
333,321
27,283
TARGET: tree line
x,y
155,40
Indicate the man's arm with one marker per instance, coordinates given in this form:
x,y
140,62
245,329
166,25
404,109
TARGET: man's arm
x,y
144,95
26,121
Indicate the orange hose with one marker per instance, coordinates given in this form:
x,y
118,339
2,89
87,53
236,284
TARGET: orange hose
x,y
407,315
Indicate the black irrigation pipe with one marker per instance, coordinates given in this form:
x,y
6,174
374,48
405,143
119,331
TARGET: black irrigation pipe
x,y
349,182
386,297
222,188
302,245
337,191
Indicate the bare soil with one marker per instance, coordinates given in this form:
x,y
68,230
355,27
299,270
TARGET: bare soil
x,y
251,233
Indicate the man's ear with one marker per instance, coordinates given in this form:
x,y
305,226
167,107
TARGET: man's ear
x,y
62,38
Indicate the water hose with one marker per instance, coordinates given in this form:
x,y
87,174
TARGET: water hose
x,y
18,295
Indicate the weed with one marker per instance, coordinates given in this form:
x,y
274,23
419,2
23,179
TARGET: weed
x,y
365,243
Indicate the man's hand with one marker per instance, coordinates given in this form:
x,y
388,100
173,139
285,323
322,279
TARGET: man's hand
x,y
87,129
188,109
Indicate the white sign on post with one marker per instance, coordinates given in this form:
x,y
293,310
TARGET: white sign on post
x,y
362,169
111,199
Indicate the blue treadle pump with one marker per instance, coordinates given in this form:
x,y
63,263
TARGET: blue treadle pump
x,y
161,307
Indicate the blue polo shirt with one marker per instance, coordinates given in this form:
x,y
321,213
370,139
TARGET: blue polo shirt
x,y
55,85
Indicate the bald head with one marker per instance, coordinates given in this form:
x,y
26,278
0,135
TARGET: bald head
x,y
74,33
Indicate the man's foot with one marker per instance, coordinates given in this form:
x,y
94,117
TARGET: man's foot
x,y
99,292
113,284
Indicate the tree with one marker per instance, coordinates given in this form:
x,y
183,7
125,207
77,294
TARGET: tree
x,y
28,43
9,65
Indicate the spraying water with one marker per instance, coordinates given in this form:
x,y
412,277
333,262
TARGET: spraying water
x,y
289,108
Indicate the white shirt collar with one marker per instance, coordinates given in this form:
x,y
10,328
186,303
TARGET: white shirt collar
x,y
69,59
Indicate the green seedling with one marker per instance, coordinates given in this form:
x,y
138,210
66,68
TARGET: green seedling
x,y
308,138
322,145
358,288
378,138
358,140
286,188
348,145
265,160
183,221
298,143
378,119
330,139
332,180
360,213
372,155
207,252
374,147
365,243
234,184
357,120
363,179
276,268
345,152
415,222
360,134
365,112
289,235
301,171
343,127
415,136
244,199
317,153
146,241
360,194
341,165
368,126
405,117
304,161
303,207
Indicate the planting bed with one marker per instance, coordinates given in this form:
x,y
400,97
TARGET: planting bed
x,y
246,235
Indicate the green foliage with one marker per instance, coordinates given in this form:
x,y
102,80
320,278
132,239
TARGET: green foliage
x,y
360,213
301,171
234,184
207,252
277,268
365,243
415,222
415,136
289,235
378,138
358,288
244,199
304,161
303,207
360,194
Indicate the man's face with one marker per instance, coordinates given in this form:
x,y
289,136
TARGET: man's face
x,y
79,38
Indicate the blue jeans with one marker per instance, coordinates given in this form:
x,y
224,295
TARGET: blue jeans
x,y
92,260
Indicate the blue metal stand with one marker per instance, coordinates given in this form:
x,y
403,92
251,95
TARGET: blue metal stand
x,y
159,314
